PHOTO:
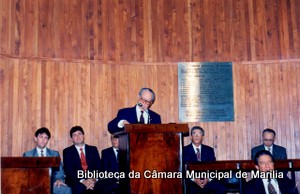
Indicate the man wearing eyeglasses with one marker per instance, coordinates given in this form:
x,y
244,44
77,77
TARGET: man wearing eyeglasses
x,y
198,152
140,113
278,152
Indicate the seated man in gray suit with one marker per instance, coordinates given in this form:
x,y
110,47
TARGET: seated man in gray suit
x,y
41,138
278,152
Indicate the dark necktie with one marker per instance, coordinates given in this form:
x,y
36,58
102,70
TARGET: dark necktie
x,y
198,154
142,121
83,160
42,153
271,188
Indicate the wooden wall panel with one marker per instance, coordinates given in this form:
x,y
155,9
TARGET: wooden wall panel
x,y
60,94
72,62
151,31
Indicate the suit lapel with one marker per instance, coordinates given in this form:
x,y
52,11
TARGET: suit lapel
x,y
151,117
274,151
48,152
260,186
203,154
35,153
77,157
113,158
262,147
114,155
192,153
87,152
135,115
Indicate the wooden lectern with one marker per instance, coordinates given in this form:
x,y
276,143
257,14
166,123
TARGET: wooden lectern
x,y
151,156
27,174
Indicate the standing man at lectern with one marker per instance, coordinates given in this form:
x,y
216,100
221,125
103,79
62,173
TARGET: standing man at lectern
x,y
198,152
140,113
42,136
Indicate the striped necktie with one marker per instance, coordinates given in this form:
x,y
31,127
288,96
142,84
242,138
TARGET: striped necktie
x,y
198,154
271,188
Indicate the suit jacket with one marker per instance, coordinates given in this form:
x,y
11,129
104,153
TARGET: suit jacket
x,y
110,164
109,160
130,115
56,173
72,162
256,186
207,154
279,152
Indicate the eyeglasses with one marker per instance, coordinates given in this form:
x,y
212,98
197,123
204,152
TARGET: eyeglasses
x,y
270,140
146,101
196,133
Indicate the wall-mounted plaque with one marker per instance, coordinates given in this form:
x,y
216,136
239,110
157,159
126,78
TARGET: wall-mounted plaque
x,y
205,91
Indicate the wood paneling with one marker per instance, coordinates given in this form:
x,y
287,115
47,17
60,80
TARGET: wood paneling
x,y
72,62
59,94
151,31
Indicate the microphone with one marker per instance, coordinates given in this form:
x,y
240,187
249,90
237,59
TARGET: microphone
x,y
141,105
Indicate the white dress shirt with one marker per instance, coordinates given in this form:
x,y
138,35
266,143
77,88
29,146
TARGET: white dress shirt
x,y
39,151
271,149
273,182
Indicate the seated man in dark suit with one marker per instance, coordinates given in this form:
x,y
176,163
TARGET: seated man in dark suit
x,y
264,162
80,158
198,152
110,163
278,152
42,136
140,113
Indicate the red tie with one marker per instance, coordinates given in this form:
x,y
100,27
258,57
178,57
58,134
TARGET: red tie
x,y
83,160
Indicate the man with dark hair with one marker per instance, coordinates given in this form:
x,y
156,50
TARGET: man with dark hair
x,y
198,152
110,163
278,152
42,137
79,159
140,113
268,184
